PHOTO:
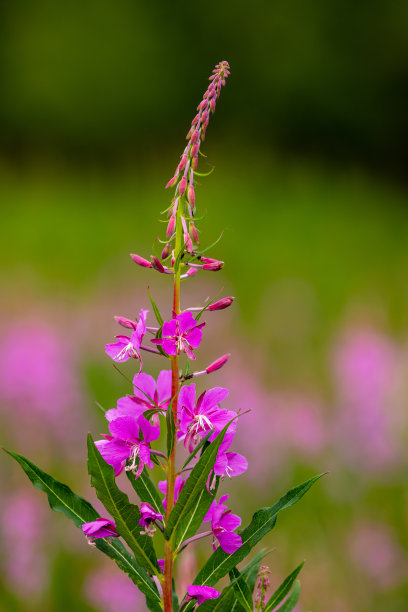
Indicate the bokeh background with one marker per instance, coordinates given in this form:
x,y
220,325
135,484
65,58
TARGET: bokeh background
x,y
309,145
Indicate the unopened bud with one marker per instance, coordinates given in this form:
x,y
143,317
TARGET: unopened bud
x,y
193,232
214,266
212,104
182,163
183,186
218,363
195,136
209,260
188,243
141,261
173,180
191,130
196,118
126,322
194,162
165,252
191,272
157,265
191,194
170,226
194,149
221,304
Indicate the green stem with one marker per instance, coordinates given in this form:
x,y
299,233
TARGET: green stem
x,y
175,386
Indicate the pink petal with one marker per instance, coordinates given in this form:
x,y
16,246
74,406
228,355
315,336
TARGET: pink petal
x,y
237,464
169,328
230,521
194,337
150,432
186,321
229,542
213,397
125,428
144,384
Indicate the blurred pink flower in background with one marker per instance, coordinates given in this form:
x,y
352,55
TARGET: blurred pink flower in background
x,y
375,552
22,532
39,387
108,590
368,424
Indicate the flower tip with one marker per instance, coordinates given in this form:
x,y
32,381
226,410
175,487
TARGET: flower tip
x,y
141,261
218,363
221,304
156,264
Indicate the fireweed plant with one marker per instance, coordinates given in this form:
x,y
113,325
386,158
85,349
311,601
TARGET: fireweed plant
x,y
198,429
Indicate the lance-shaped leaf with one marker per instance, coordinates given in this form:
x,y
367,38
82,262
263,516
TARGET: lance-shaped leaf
x,y
125,514
146,490
241,589
281,592
292,600
156,311
220,563
194,500
197,448
224,602
62,499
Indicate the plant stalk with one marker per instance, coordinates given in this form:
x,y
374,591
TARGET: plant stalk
x,y
175,385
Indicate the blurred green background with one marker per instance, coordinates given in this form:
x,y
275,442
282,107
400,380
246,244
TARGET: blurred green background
x,y
309,147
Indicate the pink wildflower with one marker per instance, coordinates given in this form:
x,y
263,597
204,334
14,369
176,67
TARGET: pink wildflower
x,y
126,347
181,334
223,524
148,516
201,593
125,442
101,528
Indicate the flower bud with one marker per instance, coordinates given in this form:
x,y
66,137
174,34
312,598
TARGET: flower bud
x,y
196,118
209,260
193,232
191,272
212,104
173,180
214,266
141,261
183,186
221,304
194,149
157,265
218,363
170,226
182,163
188,243
195,136
191,194
191,130
194,162
126,322
165,252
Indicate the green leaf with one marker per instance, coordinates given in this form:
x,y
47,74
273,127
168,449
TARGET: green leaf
x,y
197,448
146,490
178,259
194,500
62,499
211,245
224,602
241,589
171,429
220,563
156,311
125,514
292,600
281,592
204,173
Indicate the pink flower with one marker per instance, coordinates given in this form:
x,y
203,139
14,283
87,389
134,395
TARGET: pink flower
x,y
181,334
126,442
201,593
101,528
197,419
126,347
148,516
227,463
223,524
